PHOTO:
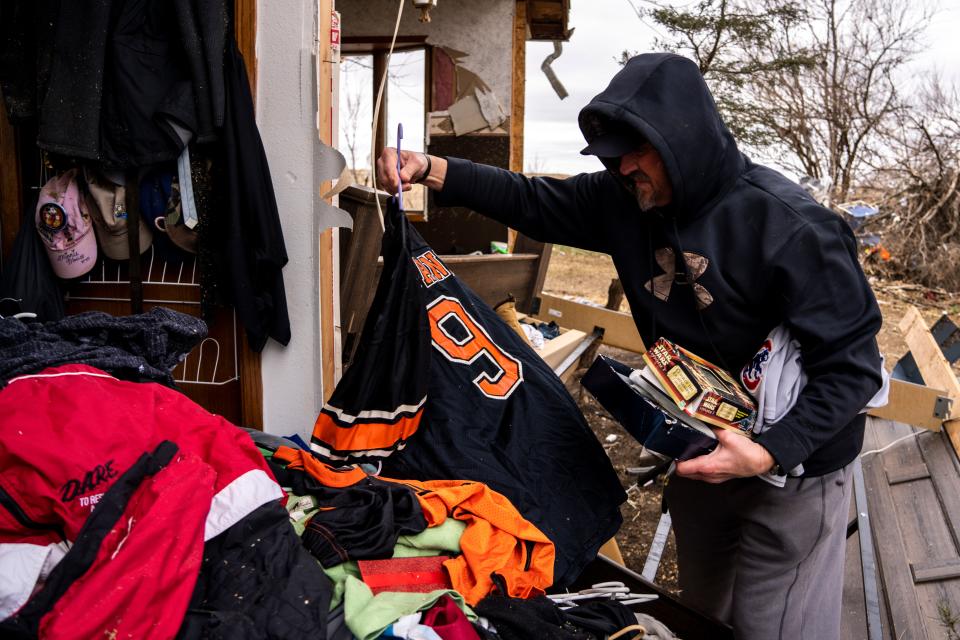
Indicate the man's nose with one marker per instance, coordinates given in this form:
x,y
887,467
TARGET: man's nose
x,y
627,165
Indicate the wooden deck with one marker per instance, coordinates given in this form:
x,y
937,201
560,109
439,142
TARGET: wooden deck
x,y
912,492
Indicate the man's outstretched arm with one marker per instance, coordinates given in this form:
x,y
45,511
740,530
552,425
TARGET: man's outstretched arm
x,y
577,211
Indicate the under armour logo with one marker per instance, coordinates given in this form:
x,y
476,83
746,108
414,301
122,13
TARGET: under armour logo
x,y
661,285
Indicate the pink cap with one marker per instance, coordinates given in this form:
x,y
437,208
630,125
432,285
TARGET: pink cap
x,y
63,222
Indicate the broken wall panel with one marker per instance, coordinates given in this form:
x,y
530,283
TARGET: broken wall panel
x,y
480,30
457,229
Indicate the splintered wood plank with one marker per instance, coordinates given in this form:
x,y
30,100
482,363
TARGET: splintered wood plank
x,y
936,570
903,607
933,365
908,474
554,351
912,404
945,475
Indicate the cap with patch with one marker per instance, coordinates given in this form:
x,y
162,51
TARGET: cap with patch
x,y
160,207
63,221
109,211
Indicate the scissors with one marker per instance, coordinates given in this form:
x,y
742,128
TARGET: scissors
x,y
399,182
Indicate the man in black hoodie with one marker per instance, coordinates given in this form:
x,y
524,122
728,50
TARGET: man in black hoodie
x,y
714,252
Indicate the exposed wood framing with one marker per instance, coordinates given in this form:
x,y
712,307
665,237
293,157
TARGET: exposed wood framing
x,y
328,297
933,366
518,85
518,90
379,67
912,404
251,372
619,328
11,206
245,30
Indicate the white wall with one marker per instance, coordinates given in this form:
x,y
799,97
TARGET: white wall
x,y
481,28
286,115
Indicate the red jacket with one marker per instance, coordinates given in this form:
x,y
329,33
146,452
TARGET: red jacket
x,y
68,433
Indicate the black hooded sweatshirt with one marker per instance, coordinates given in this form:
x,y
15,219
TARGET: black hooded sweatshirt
x,y
759,252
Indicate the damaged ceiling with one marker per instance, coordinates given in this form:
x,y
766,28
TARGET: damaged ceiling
x,y
547,19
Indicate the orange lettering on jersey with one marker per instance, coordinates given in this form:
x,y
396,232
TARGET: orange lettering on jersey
x,y
431,269
475,344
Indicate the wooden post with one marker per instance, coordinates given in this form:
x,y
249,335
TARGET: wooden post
x,y
327,294
251,376
518,85
245,30
379,66
11,206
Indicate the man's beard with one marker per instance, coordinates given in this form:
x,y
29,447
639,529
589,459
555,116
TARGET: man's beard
x,y
645,200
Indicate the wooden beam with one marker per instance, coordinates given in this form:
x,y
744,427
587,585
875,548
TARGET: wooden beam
x,y
245,30
11,206
933,366
898,586
379,67
912,404
518,95
908,474
251,372
328,295
518,85
556,350
935,570
619,328
525,245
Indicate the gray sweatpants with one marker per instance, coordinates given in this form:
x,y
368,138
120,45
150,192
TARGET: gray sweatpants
x,y
767,560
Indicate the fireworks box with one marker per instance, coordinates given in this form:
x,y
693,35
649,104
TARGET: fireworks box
x,y
699,388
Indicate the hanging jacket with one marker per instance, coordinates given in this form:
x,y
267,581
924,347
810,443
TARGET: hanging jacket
x,y
248,234
739,250
125,82
494,413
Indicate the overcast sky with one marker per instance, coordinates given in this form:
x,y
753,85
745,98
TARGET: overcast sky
x,y
604,28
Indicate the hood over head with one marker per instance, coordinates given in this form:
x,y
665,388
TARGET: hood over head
x,y
662,98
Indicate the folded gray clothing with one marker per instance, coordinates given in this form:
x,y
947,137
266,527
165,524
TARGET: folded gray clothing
x,y
141,347
268,440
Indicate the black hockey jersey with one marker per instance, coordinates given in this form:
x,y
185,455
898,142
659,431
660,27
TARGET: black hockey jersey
x,y
442,382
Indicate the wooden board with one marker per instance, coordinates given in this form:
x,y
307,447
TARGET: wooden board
x,y
10,204
518,84
555,351
915,526
902,607
329,297
912,404
936,570
619,328
933,366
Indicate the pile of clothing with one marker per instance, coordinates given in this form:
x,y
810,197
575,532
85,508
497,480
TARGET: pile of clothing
x,y
127,510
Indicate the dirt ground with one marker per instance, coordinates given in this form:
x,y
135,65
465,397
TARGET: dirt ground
x,y
582,274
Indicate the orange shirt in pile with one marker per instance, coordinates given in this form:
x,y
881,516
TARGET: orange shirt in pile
x,y
497,538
